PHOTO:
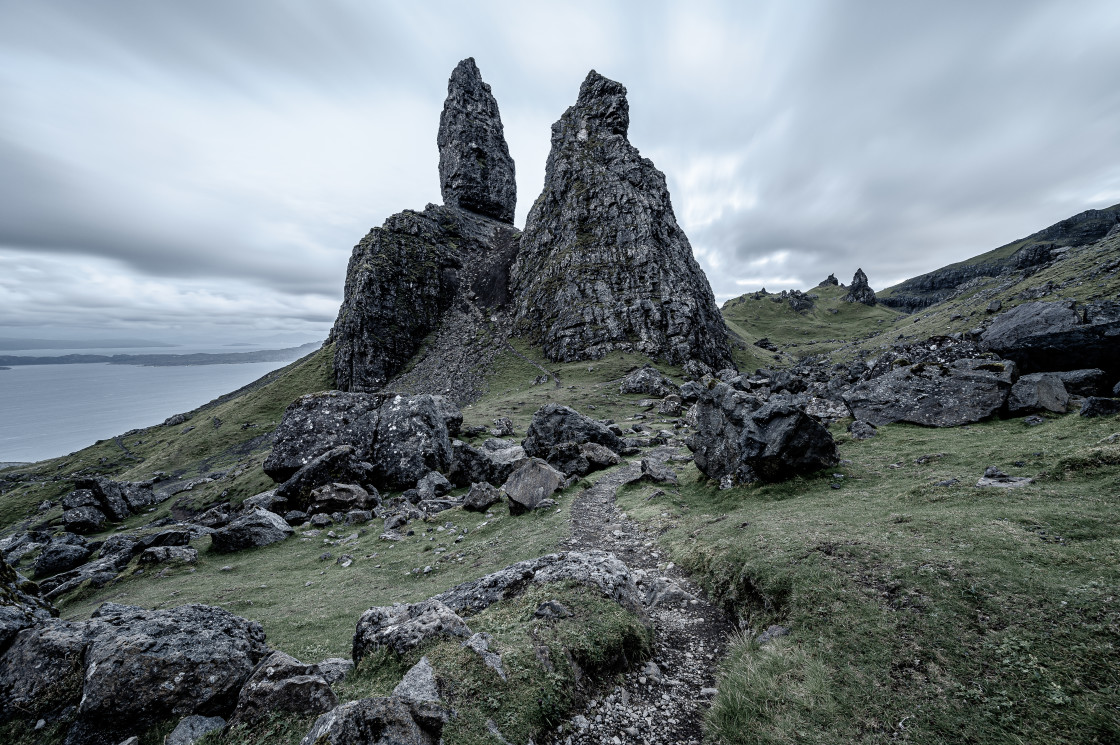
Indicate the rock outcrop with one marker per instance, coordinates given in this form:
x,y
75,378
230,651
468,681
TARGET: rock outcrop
x,y
476,172
860,291
1058,336
318,422
21,605
603,264
554,424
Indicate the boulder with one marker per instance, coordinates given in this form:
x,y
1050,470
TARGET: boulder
x,y
379,721
318,422
567,458
488,463
1094,406
258,528
860,291
266,500
861,430
403,627
172,537
934,394
554,424
603,264
21,605
649,381
412,439
60,557
476,172
193,728
331,498
79,498
169,554
740,438
656,472
1058,336
127,668
84,520
335,669
1089,382
670,406
503,427
1012,327
599,456
1037,392
419,683
281,683
339,465
110,495
433,486
481,497
534,481
594,569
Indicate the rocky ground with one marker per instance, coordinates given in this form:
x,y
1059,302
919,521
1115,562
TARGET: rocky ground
x,y
664,701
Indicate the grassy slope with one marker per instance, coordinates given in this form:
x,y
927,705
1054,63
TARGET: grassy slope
x,y
815,331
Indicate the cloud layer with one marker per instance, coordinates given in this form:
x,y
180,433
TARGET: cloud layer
x,y
205,167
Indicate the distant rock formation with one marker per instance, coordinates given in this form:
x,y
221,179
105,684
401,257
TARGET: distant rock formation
x,y
830,280
603,264
476,172
860,291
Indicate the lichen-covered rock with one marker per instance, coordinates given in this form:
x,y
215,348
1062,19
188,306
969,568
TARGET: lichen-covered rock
x,y
280,682
21,605
471,465
554,424
412,439
168,554
339,465
934,394
60,557
741,438
405,280
481,497
533,482
331,498
603,263
476,172
318,422
1038,392
649,381
597,569
401,627
379,721
118,499
258,528
860,291
84,520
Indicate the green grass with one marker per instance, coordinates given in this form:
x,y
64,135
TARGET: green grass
x,y
919,613
815,331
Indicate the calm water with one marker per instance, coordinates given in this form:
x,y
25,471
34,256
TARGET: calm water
x,y
52,410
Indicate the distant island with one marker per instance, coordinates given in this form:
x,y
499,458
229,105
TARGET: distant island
x,y
10,343
166,360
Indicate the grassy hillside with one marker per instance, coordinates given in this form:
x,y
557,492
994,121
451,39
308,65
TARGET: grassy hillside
x,y
829,324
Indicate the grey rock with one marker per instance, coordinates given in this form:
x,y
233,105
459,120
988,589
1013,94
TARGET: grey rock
x,y
339,465
84,520
1089,382
60,557
831,280
772,632
552,610
267,500
412,439
1038,392
419,683
331,498
21,605
1058,336
1010,328
554,424
649,381
670,406
402,627
416,274
934,394
379,721
358,517
318,422
530,484
603,264
597,569
740,438
79,498
192,729
480,644
168,554
1095,406
862,430
503,427
282,683
172,537
488,464
599,456
117,499
335,669
476,172
860,291
258,528
568,459
295,517
433,486
481,497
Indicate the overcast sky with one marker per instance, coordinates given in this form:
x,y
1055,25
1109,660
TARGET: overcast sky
x,y
185,170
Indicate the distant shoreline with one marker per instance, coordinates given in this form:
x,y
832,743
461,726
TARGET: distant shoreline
x,y
164,360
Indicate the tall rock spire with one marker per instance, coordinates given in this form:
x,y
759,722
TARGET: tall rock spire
x,y
475,169
603,264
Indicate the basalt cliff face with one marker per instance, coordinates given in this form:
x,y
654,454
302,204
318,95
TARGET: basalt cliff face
x,y
603,263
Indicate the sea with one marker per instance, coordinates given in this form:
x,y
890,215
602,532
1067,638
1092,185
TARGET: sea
x,y
48,411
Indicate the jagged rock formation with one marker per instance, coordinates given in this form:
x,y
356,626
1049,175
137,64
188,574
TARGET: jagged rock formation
x,y
603,264
1024,254
860,291
1058,336
476,172
830,280
418,271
